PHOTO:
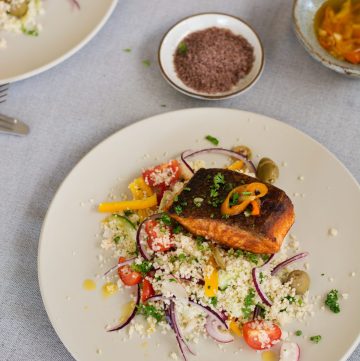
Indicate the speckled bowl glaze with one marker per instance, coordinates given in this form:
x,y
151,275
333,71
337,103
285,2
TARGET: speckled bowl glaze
x,y
303,20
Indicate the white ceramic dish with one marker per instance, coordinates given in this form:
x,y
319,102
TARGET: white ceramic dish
x,y
303,21
68,247
179,31
65,31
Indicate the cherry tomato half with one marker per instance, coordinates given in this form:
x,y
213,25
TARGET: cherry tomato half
x,y
260,335
147,290
162,176
160,237
127,275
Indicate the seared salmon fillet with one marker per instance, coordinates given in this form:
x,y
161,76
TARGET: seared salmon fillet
x,y
197,208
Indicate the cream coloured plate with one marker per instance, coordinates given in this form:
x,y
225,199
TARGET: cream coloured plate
x,y
65,31
328,196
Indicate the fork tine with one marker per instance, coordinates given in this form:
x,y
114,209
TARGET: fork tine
x,y
3,89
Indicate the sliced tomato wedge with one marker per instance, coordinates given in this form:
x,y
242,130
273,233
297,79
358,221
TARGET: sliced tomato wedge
x,y
161,177
159,236
261,335
128,275
147,290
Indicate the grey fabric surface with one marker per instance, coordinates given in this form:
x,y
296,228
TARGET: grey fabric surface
x,y
101,89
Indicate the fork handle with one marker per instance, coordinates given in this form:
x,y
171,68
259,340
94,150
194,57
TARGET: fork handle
x,y
12,126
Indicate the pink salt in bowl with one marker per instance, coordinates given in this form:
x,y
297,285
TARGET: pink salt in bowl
x,y
199,66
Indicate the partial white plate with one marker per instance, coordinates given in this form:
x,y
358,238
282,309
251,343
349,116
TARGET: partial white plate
x,y
65,31
328,196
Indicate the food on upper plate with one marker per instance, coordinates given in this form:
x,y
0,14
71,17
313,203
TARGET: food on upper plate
x,y
337,27
213,60
20,16
234,210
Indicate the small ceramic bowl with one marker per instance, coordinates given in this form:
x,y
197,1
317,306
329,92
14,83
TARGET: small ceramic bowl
x,y
303,20
180,30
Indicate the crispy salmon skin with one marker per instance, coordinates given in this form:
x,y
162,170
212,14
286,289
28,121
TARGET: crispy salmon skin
x,y
197,208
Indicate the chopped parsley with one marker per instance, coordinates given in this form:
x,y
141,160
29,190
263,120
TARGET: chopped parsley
x,y
117,239
178,209
181,257
182,48
248,302
298,333
128,213
187,189
165,219
234,200
127,50
200,243
144,267
214,301
332,301
261,275
212,139
177,229
150,311
146,63
291,299
30,32
315,339
218,180
323,274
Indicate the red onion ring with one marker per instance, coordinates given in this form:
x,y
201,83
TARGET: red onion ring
x,y
132,315
283,264
140,234
75,3
289,351
216,330
188,153
256,312
261,293
128,261
210,312
174,326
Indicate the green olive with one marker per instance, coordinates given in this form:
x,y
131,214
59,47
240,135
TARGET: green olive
x,y
299,280
267,170
19,10
243,150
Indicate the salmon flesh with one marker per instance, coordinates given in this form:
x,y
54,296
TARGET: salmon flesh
x,y
197,209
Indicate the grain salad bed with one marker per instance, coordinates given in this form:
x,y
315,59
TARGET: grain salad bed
x,y
20,17
180,268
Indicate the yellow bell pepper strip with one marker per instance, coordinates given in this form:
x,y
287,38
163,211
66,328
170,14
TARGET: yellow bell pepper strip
x,y
239,164
113,207
140,190
211,283
247,193
235,329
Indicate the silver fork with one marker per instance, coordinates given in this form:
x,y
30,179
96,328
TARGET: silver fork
x,y
10,125
3,90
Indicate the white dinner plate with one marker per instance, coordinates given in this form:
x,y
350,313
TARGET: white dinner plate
x,y
324,193
66,30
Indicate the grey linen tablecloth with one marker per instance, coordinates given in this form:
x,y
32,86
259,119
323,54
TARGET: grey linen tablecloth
x,y
101,89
